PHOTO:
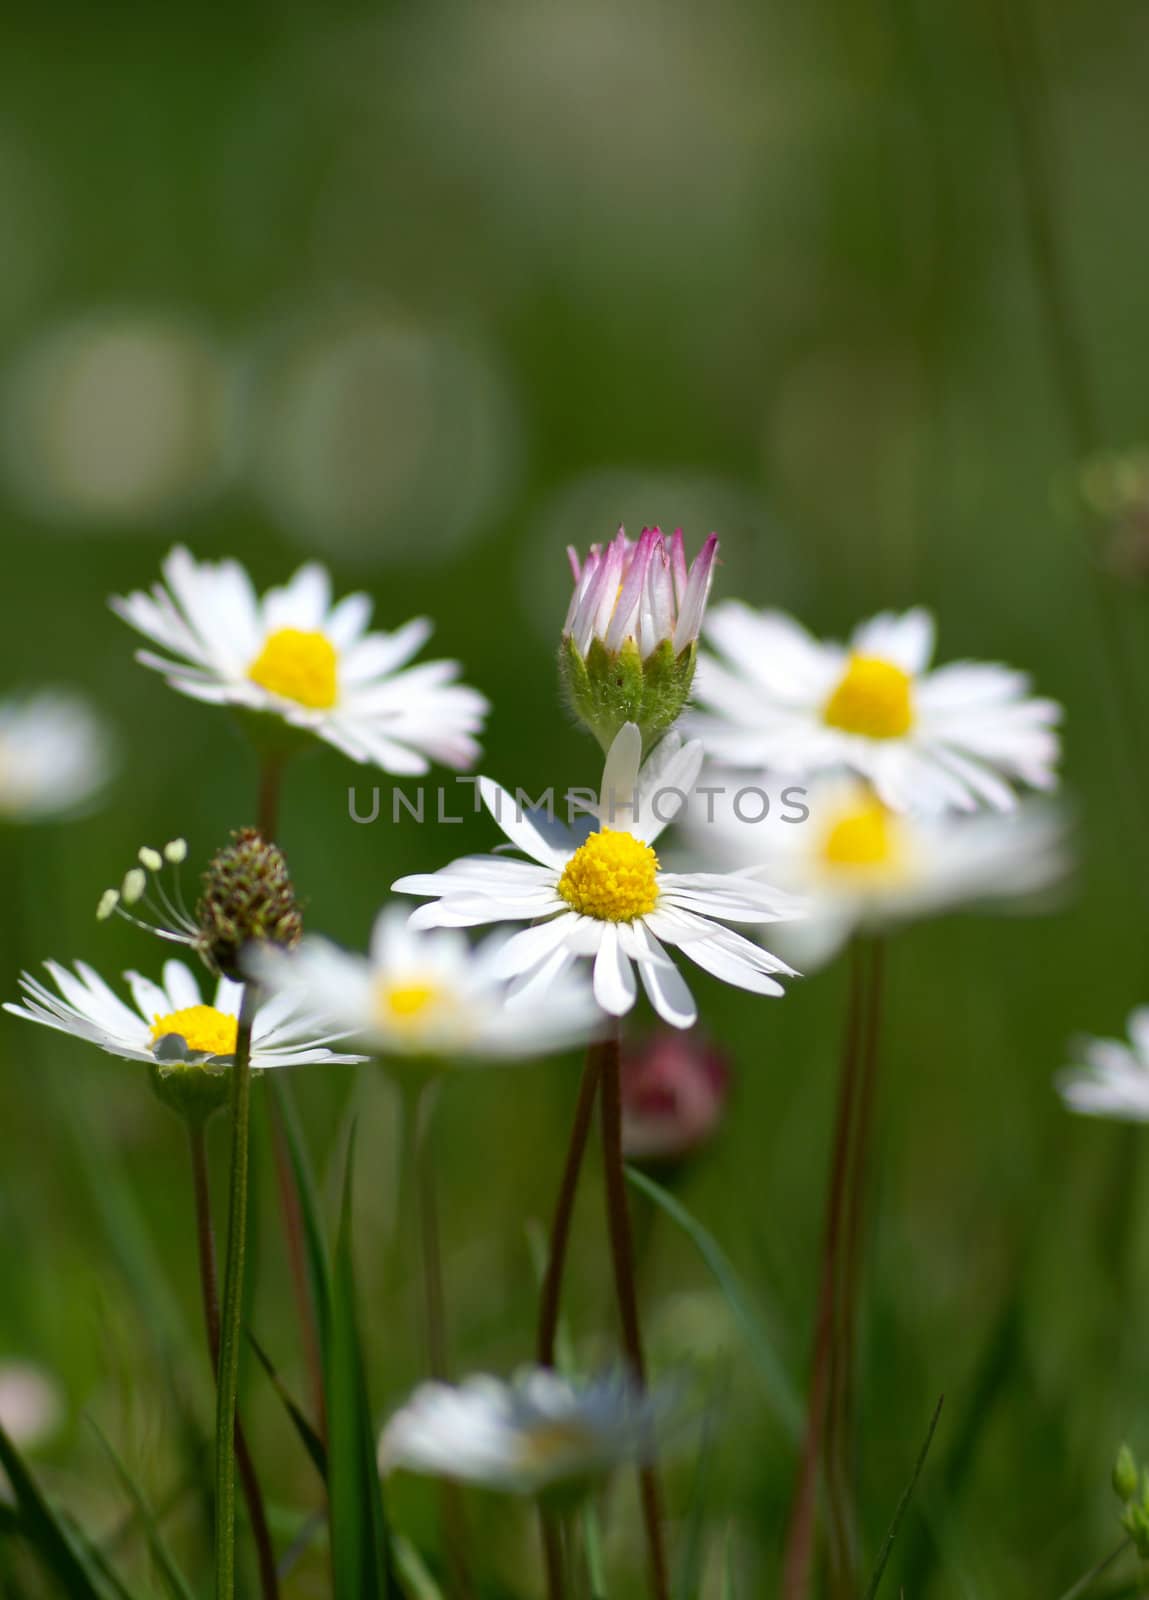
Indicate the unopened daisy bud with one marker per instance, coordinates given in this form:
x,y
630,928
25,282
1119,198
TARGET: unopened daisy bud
x,y
247,899
133,886
109,900
631,634
176,851
1125,1474
150,859
674,1092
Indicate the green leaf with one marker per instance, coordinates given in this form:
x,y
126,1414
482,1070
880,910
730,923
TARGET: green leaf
x,y
903,1503
308,1437
775,1379
174,1579
363,1566
47,1533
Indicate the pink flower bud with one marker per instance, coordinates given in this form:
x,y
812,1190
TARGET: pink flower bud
x,y
674,1091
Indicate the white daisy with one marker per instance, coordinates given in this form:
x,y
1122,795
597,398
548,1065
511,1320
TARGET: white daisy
x,y
523,1437
31,1404
293,655
600,892
56,755
428,995
951,738
858,865
171,1021
1113,1080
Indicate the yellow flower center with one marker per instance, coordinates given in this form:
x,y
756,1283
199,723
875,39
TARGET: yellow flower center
x,y
863,839
202,1028
873,698
299,666
611,877
549,1443
407,1004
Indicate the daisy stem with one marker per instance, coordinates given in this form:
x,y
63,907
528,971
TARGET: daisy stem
x,y
550,1301
419,1110
622,1257
798,1551
209,1286
840,1435
231,1329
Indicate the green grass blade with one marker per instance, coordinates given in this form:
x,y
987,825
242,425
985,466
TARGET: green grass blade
x,y
729,1582
419,1579
775,1379
694,1537
318,1266
903,1504
362,1564
166,1565
308,1437
46,1532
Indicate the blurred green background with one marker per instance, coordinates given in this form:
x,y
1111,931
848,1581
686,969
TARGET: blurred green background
x,y
428,292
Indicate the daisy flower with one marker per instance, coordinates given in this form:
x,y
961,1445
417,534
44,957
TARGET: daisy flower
x,y
428,995
859,865
170,1022
55,755
600,892
523,1437
294,656
31,1405
1113,1077
953,737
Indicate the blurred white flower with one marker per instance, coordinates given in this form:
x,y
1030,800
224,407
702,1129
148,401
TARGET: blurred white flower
x,y
428,995
858,865
601,893
955,737
56,755
31,1405
171,1021
536,1432
294,656
1113,1077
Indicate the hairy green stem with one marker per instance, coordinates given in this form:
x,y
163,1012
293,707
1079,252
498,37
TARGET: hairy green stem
x,y
231,1331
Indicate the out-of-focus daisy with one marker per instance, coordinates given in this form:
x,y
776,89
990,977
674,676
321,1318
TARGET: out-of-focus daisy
x,y
31,1406
631,633
954,737
293,656
858,865
171,1022
675,1088
56,755
600,892
536,1433
1113,1077
428,995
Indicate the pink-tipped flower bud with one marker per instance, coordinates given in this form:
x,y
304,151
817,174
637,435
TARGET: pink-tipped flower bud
x,y
631,635
674,1092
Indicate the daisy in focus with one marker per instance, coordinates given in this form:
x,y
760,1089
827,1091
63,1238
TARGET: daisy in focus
x,y
294,656
535,1433
56,755
428,995
860,866
1112,1079
170,1022
599,892
954,737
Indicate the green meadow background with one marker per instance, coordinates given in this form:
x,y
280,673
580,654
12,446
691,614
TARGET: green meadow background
x,y
427,292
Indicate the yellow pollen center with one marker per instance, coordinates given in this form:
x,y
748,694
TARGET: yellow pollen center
x,y
202,1028
863,840
298,665
611,877
408,1003
551,1442
873,698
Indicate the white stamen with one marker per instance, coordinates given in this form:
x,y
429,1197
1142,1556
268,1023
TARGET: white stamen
x,y
133,886
151,859
109,900
176,850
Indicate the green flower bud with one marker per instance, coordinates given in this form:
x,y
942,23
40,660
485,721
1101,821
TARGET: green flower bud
x,y
1125,1475
247,899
